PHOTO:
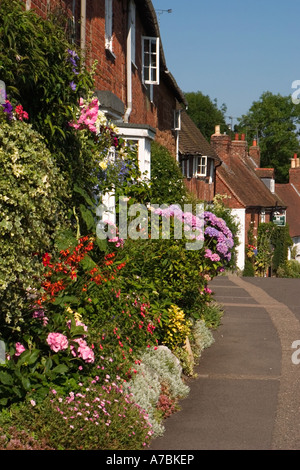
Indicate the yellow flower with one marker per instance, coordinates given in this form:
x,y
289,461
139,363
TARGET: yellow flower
x,y
103,165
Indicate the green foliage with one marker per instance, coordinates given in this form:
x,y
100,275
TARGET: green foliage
x,y
273,119
37,70
205,113
273,243
249,270
167,185
31,211
272,247
211,313
290,269
281,241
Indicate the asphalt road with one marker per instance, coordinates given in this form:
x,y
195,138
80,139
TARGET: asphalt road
x,y
247,392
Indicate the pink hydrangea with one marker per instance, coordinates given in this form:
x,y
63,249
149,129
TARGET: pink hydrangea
x,y
83,351
19,349
57,341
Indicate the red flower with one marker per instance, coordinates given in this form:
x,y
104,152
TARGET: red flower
x,y
46,259
21,113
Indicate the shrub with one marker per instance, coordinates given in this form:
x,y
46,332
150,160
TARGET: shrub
x,y
177,328
41,70
289,269
211,312
249,270
31,212
157,374
201,338
167,185
97,417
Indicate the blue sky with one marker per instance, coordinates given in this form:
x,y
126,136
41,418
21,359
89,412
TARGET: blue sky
x,y
232,50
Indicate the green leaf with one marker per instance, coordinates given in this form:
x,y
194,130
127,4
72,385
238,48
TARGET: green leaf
x,y
65,299
33,356
5,378
84,194
26,383
60,369
87,217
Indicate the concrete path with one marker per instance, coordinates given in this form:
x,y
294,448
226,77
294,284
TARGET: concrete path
x,y
247,393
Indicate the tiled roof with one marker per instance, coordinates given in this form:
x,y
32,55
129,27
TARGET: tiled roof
x,y
192,141
265,172
292,200
246,185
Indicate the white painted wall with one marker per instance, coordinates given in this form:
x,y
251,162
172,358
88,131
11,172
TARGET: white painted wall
x,y
296,243
239,215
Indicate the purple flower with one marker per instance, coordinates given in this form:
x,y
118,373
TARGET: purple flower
x,y
73,86
212,232
7,107
73,58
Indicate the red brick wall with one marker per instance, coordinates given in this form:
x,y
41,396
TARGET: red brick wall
x,y
201,189
111,71
43,8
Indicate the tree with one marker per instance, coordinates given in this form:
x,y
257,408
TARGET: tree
x,y
273,119
205,113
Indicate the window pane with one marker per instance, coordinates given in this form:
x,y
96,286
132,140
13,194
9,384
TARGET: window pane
x,y
146,60
146,45
146,73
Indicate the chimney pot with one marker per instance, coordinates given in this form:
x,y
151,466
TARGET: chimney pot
x,y
243,137
236,136
254,143
217,129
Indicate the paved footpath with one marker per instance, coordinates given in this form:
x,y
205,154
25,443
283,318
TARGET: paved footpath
x,y
247,392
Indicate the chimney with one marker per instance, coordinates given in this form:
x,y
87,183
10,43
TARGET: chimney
x,y
254,153
221,144
294,172
239,147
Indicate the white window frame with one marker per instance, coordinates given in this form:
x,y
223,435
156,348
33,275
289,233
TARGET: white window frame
x,y
177,120
150,58
143,138
200,162
109,25
188,168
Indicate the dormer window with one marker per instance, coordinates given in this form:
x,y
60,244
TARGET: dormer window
x,y
200,166
150,55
